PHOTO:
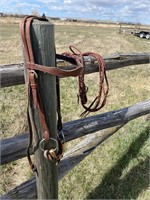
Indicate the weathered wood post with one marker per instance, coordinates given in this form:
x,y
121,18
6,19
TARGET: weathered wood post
x,y
42,37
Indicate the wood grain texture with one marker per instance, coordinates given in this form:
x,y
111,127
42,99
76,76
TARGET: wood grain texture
x,y
15,147
42,37
13,74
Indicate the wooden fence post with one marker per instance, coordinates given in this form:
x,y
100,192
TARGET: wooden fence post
x,y
42,37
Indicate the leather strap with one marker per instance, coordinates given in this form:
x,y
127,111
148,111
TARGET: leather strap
x,y
55,71
100,99
76,57
33,88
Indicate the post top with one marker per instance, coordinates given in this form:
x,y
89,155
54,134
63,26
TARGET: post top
x,y
36,21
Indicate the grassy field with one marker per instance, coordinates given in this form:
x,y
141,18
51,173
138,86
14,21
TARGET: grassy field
x,y
119,168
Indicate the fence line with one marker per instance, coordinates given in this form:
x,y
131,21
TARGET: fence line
x,y
13,74
15,148
107,123
75,155
72,157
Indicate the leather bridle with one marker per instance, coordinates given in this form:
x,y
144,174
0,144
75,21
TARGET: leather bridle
x,y
75,58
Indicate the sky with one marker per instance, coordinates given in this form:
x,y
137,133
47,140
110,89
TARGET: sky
x,y
135,11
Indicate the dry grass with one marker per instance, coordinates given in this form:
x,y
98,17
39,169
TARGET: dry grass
x,y
118,169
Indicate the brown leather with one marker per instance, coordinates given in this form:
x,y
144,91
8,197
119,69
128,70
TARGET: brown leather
x,y
55,71
100,99
76,58
32,82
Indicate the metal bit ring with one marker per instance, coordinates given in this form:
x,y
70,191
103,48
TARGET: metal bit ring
x,y
42,141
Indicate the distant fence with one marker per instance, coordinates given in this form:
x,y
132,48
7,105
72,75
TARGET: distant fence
x,y
128,29
107,123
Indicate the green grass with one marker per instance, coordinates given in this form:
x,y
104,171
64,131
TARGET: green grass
x,y
118,169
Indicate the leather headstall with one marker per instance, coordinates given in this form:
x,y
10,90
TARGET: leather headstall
x,y
53,154
75,57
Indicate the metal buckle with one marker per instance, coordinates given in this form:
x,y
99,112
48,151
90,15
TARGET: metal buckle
x,y
32,71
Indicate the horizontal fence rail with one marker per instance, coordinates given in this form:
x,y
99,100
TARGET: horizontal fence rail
x,y
95,129
72,157
13,74
15,147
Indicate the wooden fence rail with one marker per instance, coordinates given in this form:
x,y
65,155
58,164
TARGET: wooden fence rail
x,y
15,147
13,74
72,157
107,124
75,155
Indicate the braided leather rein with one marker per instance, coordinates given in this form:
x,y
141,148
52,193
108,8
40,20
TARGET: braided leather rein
x,y
100,99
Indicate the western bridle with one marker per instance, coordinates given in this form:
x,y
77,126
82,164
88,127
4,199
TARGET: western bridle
x,y
76,58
